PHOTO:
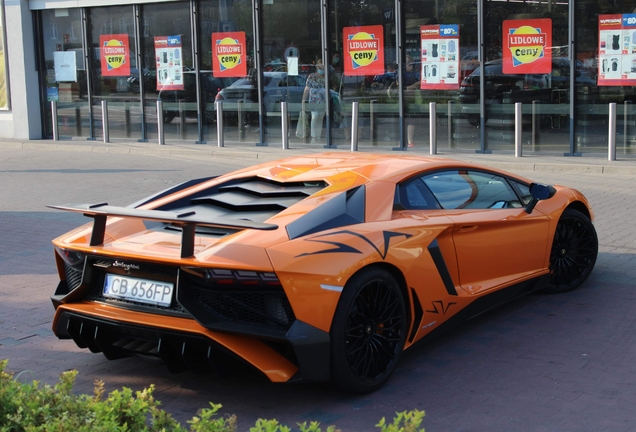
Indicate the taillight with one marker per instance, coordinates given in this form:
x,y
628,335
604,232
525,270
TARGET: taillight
x,y
73,268
72,258
223,277
218,97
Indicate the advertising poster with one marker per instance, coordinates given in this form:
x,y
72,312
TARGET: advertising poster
x,y
115,55
364,50
527,46
169,62
440,56
617,50
228,54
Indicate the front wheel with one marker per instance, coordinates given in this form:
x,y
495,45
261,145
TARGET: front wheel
x,y
368,331
573,253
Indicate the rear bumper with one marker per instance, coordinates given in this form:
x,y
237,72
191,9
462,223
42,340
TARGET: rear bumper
x,y
182,343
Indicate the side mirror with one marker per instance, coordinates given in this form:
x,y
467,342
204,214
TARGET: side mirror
x,y
539,192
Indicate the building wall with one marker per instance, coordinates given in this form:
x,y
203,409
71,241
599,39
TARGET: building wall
x,y
23,120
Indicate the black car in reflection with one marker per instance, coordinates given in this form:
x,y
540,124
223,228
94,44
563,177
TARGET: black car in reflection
x,y
552,88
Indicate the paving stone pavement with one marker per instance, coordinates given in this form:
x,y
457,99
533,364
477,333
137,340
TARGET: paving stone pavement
x,y
542,363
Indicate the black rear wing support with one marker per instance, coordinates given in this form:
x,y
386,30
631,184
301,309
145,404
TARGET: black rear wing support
x,y
187,221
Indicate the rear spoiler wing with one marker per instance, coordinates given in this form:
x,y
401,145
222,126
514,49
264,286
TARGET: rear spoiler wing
x,y
188,222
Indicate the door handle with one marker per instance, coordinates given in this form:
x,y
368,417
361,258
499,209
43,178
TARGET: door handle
x,y
468,228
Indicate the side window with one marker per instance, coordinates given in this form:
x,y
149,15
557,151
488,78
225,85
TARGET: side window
x,y
460,189
414,195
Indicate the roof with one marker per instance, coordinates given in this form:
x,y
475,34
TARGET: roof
x,y
370,166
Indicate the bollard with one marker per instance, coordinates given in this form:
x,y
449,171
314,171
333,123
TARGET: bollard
x,y
284,125
160,122
432,119
611,134
450,124
354,126
78,122
56,131
182,119
535,103
372,122
105,127
127,126
219,123
518,129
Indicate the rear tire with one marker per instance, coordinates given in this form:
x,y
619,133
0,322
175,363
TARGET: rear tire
x,y
368,331
573,253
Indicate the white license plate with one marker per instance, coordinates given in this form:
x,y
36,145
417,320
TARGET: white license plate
x,y
139,290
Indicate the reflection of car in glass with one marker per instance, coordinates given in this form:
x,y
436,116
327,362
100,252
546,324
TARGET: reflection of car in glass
x,y
510,88
315,267
277,87
149,78
469,62
210,86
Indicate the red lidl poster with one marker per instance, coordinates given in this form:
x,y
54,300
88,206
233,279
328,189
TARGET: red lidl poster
x,y
114,55
440,56
228,54
364,50
617,50
527,46
169,62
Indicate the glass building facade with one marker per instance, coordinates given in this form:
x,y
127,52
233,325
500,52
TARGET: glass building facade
x,y
460,65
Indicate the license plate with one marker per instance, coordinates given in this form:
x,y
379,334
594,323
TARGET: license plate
x,y
138,290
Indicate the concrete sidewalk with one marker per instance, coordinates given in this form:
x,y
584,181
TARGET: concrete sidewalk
x,y
587,164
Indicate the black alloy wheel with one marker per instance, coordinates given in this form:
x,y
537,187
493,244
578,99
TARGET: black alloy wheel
x,y
368,331
573,253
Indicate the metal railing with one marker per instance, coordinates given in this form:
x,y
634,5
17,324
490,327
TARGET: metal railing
x,y
628,118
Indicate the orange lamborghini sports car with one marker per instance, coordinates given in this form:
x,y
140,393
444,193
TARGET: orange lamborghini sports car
x,y
317,267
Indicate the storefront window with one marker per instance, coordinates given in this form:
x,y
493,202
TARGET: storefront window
x,y
363,59
441,51
606,44
525,56
168,68
293,70
65,72
528,61
115,77
227,53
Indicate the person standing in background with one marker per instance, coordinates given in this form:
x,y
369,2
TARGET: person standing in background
x,y
411,82
315,94
336,64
